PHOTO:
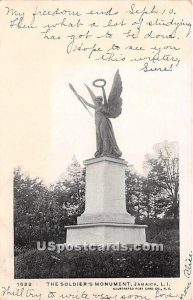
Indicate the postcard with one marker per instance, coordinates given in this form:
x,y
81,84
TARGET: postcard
x,y
96,149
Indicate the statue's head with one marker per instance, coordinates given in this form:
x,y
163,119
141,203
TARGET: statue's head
x,y
99,100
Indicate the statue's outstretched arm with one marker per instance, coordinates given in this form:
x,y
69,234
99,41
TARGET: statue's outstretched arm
x,y
104,97
91,94
87,103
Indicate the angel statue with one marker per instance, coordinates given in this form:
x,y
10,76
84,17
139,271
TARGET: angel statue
x,y
105,138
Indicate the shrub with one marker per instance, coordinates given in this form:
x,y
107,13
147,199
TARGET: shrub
x,y
97,264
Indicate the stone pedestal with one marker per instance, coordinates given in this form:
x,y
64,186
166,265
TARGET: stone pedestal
x,y
105,219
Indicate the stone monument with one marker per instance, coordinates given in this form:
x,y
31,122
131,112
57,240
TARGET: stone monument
x,y
105,219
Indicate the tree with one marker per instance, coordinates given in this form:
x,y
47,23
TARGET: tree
x,y
37,214
29,196
70,189
133,183
162,170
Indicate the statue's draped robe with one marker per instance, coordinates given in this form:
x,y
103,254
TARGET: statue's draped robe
x,y
105,138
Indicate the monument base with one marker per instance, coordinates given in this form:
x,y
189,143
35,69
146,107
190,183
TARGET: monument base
x,y
106,233
105,219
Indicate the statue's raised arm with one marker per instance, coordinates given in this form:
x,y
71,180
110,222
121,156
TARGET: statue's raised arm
x,y
81,99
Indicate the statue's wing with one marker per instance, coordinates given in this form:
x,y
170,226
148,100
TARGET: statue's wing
x,y
114,100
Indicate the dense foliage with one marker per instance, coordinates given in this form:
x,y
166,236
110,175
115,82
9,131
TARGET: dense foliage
x,y
92,264
41,212
156,194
